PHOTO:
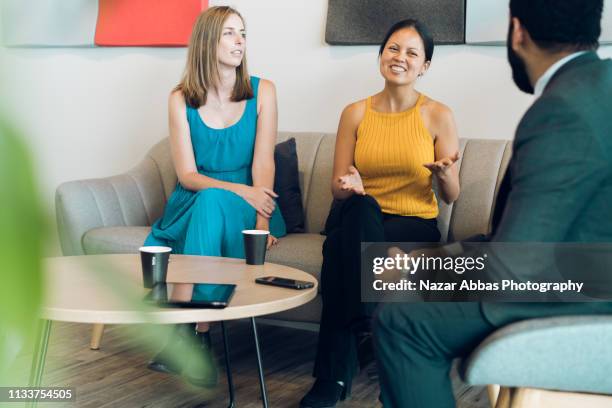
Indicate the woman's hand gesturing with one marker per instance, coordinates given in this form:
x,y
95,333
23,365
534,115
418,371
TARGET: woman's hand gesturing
x,y
261,199
440,168
352,181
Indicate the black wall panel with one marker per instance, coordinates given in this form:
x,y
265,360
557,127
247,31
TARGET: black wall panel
x,y
358,22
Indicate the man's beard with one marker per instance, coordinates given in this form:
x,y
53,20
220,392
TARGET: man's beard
x,y
519,70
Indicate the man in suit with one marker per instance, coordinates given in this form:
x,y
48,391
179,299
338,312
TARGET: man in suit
x,y
558,188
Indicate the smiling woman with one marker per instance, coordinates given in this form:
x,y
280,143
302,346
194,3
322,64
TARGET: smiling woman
x,y
389,148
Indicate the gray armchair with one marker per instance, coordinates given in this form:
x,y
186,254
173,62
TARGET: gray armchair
x,y
548,362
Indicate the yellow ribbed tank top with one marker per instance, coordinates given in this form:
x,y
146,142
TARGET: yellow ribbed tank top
x,y
390,152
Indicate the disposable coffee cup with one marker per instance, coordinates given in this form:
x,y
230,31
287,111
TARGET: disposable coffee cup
x,y
154,261
255,242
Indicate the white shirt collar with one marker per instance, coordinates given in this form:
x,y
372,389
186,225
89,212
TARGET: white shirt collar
x,y
552,70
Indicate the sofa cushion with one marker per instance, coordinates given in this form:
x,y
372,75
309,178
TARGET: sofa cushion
x,y
300,251
481,171
319,195
114,240
287,185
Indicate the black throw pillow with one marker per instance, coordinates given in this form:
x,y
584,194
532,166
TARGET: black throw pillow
x,y
287,185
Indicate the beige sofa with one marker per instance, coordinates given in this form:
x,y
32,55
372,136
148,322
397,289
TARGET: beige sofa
x,y
113,215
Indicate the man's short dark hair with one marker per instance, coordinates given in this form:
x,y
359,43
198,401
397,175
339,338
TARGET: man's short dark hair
x,y
560,25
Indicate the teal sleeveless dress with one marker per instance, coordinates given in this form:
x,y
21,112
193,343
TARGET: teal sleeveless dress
x,y
210,221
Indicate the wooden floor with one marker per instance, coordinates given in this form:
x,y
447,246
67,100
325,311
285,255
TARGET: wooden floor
x,y
116,375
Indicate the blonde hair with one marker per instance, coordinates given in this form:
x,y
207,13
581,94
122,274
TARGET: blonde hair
x,y
202,68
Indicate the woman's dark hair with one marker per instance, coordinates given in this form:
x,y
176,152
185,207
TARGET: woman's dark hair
x,y
428,42
560,25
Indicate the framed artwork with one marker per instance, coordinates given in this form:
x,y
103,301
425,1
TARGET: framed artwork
x,y
49,23
362,22
89,23
146,22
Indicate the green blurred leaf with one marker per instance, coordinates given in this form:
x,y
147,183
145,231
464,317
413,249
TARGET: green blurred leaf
x,y
22,228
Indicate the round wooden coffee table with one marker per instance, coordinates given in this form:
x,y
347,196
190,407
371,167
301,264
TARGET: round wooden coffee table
x,y
95,289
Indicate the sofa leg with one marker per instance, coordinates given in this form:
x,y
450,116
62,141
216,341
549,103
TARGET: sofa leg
x,y
493,392
503,397
525,398
96,336
558,399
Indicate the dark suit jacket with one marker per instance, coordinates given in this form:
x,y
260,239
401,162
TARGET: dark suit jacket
x,y
558,187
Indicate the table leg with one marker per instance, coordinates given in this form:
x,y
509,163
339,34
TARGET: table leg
x,y
262,384
228,370
40,354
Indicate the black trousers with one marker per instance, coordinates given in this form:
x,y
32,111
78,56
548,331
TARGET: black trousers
x,y
357,219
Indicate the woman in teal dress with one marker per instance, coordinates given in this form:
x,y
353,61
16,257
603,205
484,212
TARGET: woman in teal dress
x,y
223,126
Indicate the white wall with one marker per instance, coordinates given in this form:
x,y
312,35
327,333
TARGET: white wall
x,y
94,112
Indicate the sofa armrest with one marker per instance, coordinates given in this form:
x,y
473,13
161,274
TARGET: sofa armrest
x,y
570,353
136,198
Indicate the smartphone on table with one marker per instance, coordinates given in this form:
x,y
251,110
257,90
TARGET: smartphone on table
x,y
284,282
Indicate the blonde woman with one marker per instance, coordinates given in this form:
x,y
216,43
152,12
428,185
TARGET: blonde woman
x,y
222,135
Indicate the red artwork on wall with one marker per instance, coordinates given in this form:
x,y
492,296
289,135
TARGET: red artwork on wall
x,y
146,23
